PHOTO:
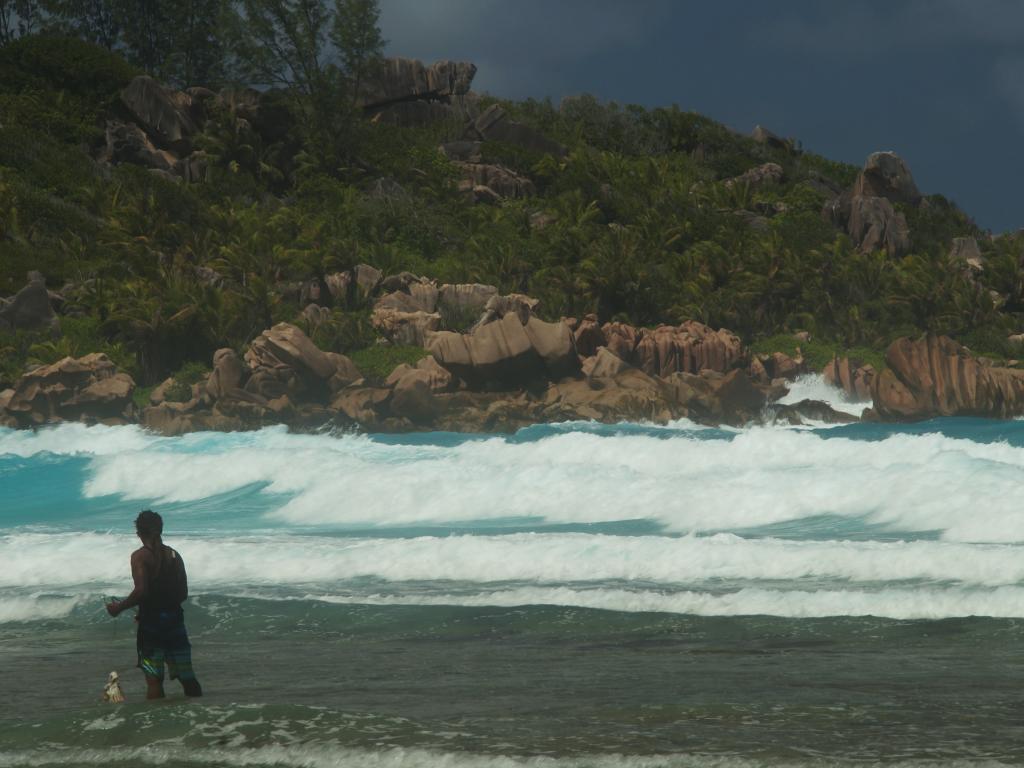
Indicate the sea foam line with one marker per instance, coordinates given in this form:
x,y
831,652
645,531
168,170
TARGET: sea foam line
x,y
904,604
911,483
101,560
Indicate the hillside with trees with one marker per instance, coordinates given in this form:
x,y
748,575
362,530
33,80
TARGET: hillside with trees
x,y
281,150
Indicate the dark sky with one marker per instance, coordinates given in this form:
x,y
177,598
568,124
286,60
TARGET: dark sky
x,y
941,82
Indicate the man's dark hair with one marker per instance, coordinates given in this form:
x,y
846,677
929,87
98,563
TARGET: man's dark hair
x,y
149,523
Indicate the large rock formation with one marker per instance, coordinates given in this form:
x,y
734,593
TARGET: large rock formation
x,y
866,210
935,376
853,377
494,125
166,115
507,353
688,348
402,79
30,309
88,389
885,174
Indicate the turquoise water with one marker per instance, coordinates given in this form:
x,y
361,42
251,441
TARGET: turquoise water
x,y
572,595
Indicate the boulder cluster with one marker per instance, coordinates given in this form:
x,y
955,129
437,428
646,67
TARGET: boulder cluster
x,y
506,368
87,389
157,127
935,376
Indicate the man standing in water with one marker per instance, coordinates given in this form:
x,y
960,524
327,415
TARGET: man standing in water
x,y
161,586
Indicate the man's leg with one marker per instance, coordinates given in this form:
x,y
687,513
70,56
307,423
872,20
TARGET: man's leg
x,y
154,688
192,687
151,662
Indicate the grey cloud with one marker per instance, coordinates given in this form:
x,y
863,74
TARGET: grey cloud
x,y
519,47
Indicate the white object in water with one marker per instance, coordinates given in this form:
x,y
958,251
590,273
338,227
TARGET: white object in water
x,y
112,692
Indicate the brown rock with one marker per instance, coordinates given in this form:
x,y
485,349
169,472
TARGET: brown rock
x,y
756,178
854,378
128,143
498,355
367,278
402,79
553,342
413,398
162,113
361,404
690,347
286,345
628,394
345,372
875,225
886,175
412,329
731,398
588,336
935,376
88,389
785,367
497,179
229,373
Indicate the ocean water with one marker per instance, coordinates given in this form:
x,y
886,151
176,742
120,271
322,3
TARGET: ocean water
x,y
570,595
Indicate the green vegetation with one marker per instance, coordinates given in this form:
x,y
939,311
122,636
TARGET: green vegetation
x,y
639,224
180,391
377,362
817,353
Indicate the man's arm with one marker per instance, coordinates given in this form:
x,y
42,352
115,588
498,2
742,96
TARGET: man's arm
x,y
140,575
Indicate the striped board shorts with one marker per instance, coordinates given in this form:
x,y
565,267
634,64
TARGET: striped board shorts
x,y
163,640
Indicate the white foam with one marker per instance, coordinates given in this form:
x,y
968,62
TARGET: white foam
x,y
812,386
36,607
72,439
1002,602
966,490
101,561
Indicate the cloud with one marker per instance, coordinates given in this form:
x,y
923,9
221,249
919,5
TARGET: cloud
x,y
1008,74
855,28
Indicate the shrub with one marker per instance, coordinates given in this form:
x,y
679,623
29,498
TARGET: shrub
x,y
189,374
377,362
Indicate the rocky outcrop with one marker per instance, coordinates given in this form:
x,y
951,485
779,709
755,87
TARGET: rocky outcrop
x,y
407,315
763,136
30,309
484,183
757,178
128,143
497,307
964,252
165,115
866,210
806,412
507,353
875,225
688,348
886,175
935,376
494,125
853,377
88,389
400,79
284,378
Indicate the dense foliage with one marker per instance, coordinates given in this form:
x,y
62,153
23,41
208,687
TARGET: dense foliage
x,y
633,223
